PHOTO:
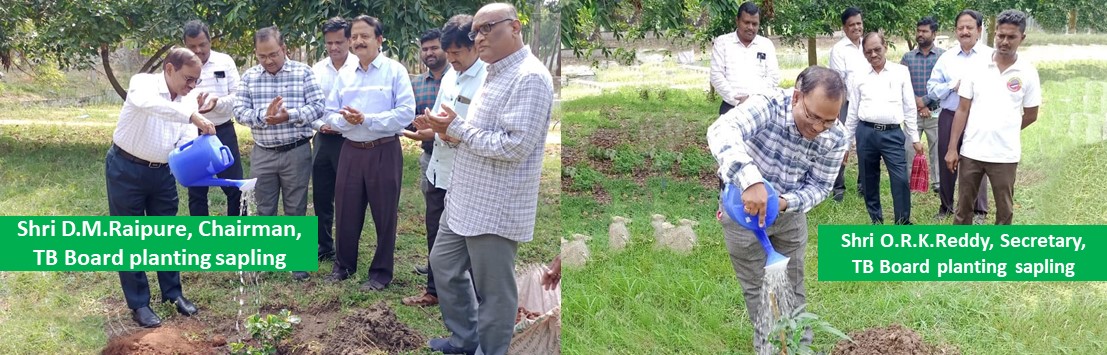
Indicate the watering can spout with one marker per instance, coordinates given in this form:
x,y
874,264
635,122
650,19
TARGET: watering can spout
x,y
243,185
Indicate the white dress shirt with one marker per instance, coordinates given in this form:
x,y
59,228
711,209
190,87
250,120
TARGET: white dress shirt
x,y
325,73
951,67
883,98
847,58
151,124
219,79
458,91
993,131
737,69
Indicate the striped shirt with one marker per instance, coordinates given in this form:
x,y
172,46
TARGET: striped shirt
x,y
382,93
951,67
497,168
426,88
302,98
151,124
759,139
920,66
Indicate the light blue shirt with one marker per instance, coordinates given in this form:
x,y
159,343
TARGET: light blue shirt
x,y
382,93
457,91
953,66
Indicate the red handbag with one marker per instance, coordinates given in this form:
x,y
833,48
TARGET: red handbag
x,y
920,174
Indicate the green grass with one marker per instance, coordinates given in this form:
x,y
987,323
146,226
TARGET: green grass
x,y
647,301
58,170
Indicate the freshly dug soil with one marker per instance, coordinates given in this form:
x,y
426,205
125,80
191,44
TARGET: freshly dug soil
x,y
371,331
167,340
892,340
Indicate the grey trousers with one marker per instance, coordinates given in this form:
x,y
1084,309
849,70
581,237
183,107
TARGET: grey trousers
x,y
281,175
487,327
789,237
929,127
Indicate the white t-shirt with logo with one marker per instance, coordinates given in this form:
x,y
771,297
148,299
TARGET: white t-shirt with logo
x,y
993,131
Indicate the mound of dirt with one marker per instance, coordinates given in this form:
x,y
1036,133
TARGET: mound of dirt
x,y
167,340
895,339
371,331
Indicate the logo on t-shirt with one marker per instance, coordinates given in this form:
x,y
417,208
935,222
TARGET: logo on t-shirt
x,y
1014,84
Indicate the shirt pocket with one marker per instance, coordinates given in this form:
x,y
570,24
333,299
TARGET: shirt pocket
x,y
378,98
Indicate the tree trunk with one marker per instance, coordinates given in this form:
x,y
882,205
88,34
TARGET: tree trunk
x,y
105,56
812,55
991,31
536,37
1072,21
151,64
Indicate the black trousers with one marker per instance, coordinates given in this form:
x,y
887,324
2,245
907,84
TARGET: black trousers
x,y
840,180
198,196
138,190
324,171
368,177
947,179
883,143
436,203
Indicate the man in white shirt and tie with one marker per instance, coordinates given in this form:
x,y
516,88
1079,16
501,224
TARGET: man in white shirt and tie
x,y
742,62
881,100
217,86
846,57
954,65
153,122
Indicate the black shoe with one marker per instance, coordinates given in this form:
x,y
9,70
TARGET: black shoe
x,y
372,285
337,277
300,275
326,256
184,306
422,269
146,317
443,345
838,197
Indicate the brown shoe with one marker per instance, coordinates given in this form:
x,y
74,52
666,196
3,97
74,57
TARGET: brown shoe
x,y
424,300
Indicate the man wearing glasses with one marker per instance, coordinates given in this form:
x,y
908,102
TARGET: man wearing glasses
x,y
154,121
279,99
492,199
791,139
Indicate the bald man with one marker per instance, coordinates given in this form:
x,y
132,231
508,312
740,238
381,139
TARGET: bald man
x,y
154,121
492,199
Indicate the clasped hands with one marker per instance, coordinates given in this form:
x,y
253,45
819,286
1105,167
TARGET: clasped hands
x,y
437,123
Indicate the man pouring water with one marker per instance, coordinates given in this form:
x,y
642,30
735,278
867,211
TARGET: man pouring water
x,y
791,139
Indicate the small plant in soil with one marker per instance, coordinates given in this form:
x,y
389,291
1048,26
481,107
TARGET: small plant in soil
x,y
787,333
266,332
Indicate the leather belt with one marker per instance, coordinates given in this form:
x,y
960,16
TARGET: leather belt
x,y
881,126
289,146
137,160
370,145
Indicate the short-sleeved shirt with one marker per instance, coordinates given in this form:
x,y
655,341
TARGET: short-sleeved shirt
x,y
993,131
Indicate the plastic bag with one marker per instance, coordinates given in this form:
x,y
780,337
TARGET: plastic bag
x,y
543,334
920,174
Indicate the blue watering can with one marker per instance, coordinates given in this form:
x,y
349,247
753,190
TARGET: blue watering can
x,y
195,163
732,203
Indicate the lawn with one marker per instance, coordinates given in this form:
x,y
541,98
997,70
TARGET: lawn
x,y
57,169
636,152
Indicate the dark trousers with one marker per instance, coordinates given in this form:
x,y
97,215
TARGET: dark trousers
x,y
368,177
840,180
436,203
324,171
947,178
198,196
873,145
138,190
723,109
969,174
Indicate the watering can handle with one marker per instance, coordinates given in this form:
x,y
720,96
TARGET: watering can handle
x,y
186,145
228,158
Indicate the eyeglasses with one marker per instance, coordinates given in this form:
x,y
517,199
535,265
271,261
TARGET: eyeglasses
x,y
191,81
823,124
486,28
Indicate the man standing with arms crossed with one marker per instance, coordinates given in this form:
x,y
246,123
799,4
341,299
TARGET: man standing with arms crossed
x,y
153,122
944,83
847,57
370,105
281,159
920,61
793,140
328,142
996,105
216,93
492,201
459,87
